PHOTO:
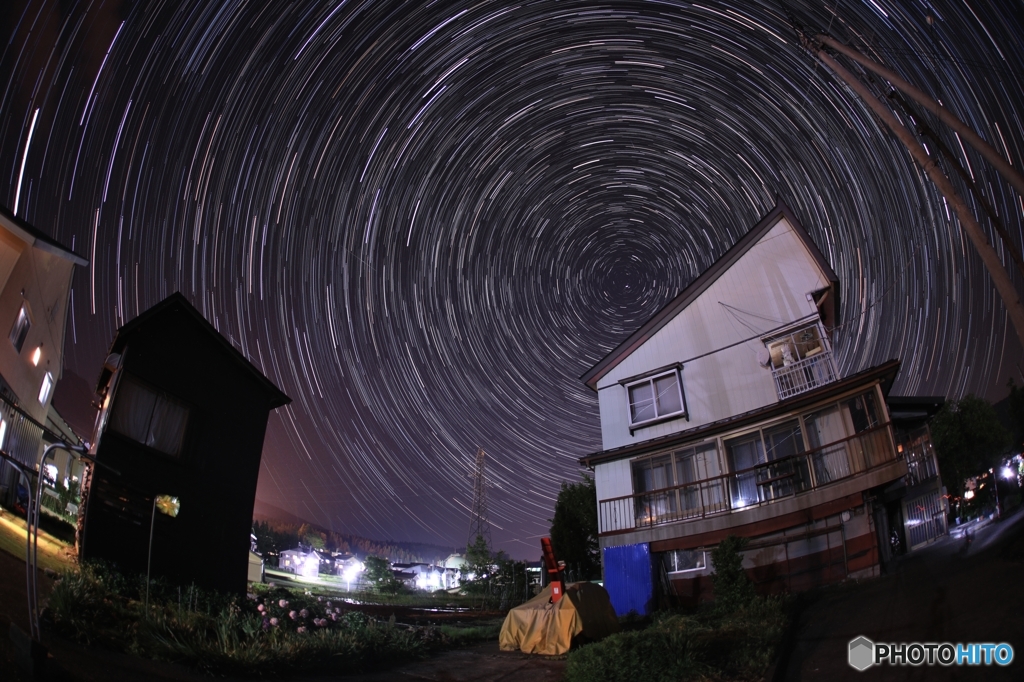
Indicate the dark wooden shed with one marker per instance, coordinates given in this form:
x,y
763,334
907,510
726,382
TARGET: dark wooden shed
x,y
184,413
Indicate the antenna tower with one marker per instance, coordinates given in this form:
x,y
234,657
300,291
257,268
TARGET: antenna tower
x,y
478,524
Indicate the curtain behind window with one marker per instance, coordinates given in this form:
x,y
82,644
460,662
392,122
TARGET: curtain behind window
x,y
133,409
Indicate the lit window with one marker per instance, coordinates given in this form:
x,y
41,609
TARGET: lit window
x,y
148,416
46,389
656,397
3,433
21,326
37,354
680,560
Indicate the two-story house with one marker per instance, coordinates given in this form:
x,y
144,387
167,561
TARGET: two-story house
x,y
35,290
725,414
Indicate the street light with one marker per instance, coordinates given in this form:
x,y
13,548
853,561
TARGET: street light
x,y
165,504
32,519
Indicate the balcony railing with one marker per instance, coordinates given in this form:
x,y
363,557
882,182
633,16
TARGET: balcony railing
x,y
748,488
799,377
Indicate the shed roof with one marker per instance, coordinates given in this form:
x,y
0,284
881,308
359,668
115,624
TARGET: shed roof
x,y
177,302
706,279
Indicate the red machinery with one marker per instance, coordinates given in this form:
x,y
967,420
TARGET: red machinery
x,y
554,569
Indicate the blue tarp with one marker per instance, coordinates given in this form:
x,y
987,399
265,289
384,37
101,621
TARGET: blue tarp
x,y
629,578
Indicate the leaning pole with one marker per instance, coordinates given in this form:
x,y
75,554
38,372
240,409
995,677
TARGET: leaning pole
x,y
1001,279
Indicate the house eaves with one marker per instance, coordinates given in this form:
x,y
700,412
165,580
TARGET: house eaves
x,y
36,238
706,279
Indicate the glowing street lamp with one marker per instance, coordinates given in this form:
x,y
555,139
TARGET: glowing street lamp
x,y
170,506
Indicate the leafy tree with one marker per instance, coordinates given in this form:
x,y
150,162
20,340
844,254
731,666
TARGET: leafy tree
x,y
733,588
968,440
378,573
574,528
479,560
311,536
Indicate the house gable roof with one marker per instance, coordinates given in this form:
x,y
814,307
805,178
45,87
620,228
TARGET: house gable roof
x,y
706,279
37,238
177,302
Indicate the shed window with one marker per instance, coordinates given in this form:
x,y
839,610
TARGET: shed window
x,y
149,416
19,331
656,397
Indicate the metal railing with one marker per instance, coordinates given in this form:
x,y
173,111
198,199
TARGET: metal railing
x,y
747,488
804,375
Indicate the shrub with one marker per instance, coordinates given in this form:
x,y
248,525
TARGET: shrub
x,y
710,644
733,588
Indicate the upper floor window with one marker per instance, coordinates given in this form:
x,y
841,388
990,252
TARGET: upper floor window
x,y
148,416
19,331
656,397
46,389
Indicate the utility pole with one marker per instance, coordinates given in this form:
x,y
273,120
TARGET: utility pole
x,y
1001,279
988,151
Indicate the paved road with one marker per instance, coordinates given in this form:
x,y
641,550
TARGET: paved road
x,y
941,593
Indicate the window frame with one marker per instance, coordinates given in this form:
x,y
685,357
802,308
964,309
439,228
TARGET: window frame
x,y
19,333
674,553
46,389
161,395
649,379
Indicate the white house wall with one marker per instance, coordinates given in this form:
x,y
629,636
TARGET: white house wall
x,y
765,289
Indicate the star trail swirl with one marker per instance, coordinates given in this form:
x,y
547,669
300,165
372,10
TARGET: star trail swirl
x,y
424,221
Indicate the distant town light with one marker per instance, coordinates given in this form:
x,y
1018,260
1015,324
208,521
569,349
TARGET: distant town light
x,y
969,494
1009,473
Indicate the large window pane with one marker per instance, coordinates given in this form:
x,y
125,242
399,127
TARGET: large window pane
x,y
19,331
669,398
167,427
830,461
133,409
148,417
863,411
783,443
641,402
743,453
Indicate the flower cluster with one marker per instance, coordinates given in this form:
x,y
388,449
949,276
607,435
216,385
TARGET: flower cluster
x,y
307,613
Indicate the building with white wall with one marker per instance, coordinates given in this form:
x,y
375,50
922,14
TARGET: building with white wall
x,y
725,414
35,290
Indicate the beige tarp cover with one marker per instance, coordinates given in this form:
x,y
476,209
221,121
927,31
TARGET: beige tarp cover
x,y
539,627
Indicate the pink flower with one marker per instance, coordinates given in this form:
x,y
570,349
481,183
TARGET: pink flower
x,y
261,608
304,613
292,615
274,621
283,603
301,629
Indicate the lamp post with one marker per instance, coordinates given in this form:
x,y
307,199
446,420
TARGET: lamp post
x,y
165,504
32,520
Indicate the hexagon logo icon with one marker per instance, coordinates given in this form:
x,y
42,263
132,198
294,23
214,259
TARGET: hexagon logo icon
x,y
862,653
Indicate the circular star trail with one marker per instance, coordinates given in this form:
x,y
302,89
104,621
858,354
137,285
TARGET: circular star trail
x,y
425,221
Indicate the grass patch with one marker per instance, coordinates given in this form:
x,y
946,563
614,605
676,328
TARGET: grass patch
x,y
279,631
53,553
709,644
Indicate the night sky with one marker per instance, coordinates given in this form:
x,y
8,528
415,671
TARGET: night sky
x,y
424,221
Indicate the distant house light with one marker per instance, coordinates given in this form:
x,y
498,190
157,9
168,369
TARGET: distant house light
x,y
46,389
21,326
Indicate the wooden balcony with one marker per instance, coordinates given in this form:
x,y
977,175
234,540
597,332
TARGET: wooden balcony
x,y
749,488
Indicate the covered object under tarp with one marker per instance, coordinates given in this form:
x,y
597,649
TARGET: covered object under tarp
x,y
540,627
